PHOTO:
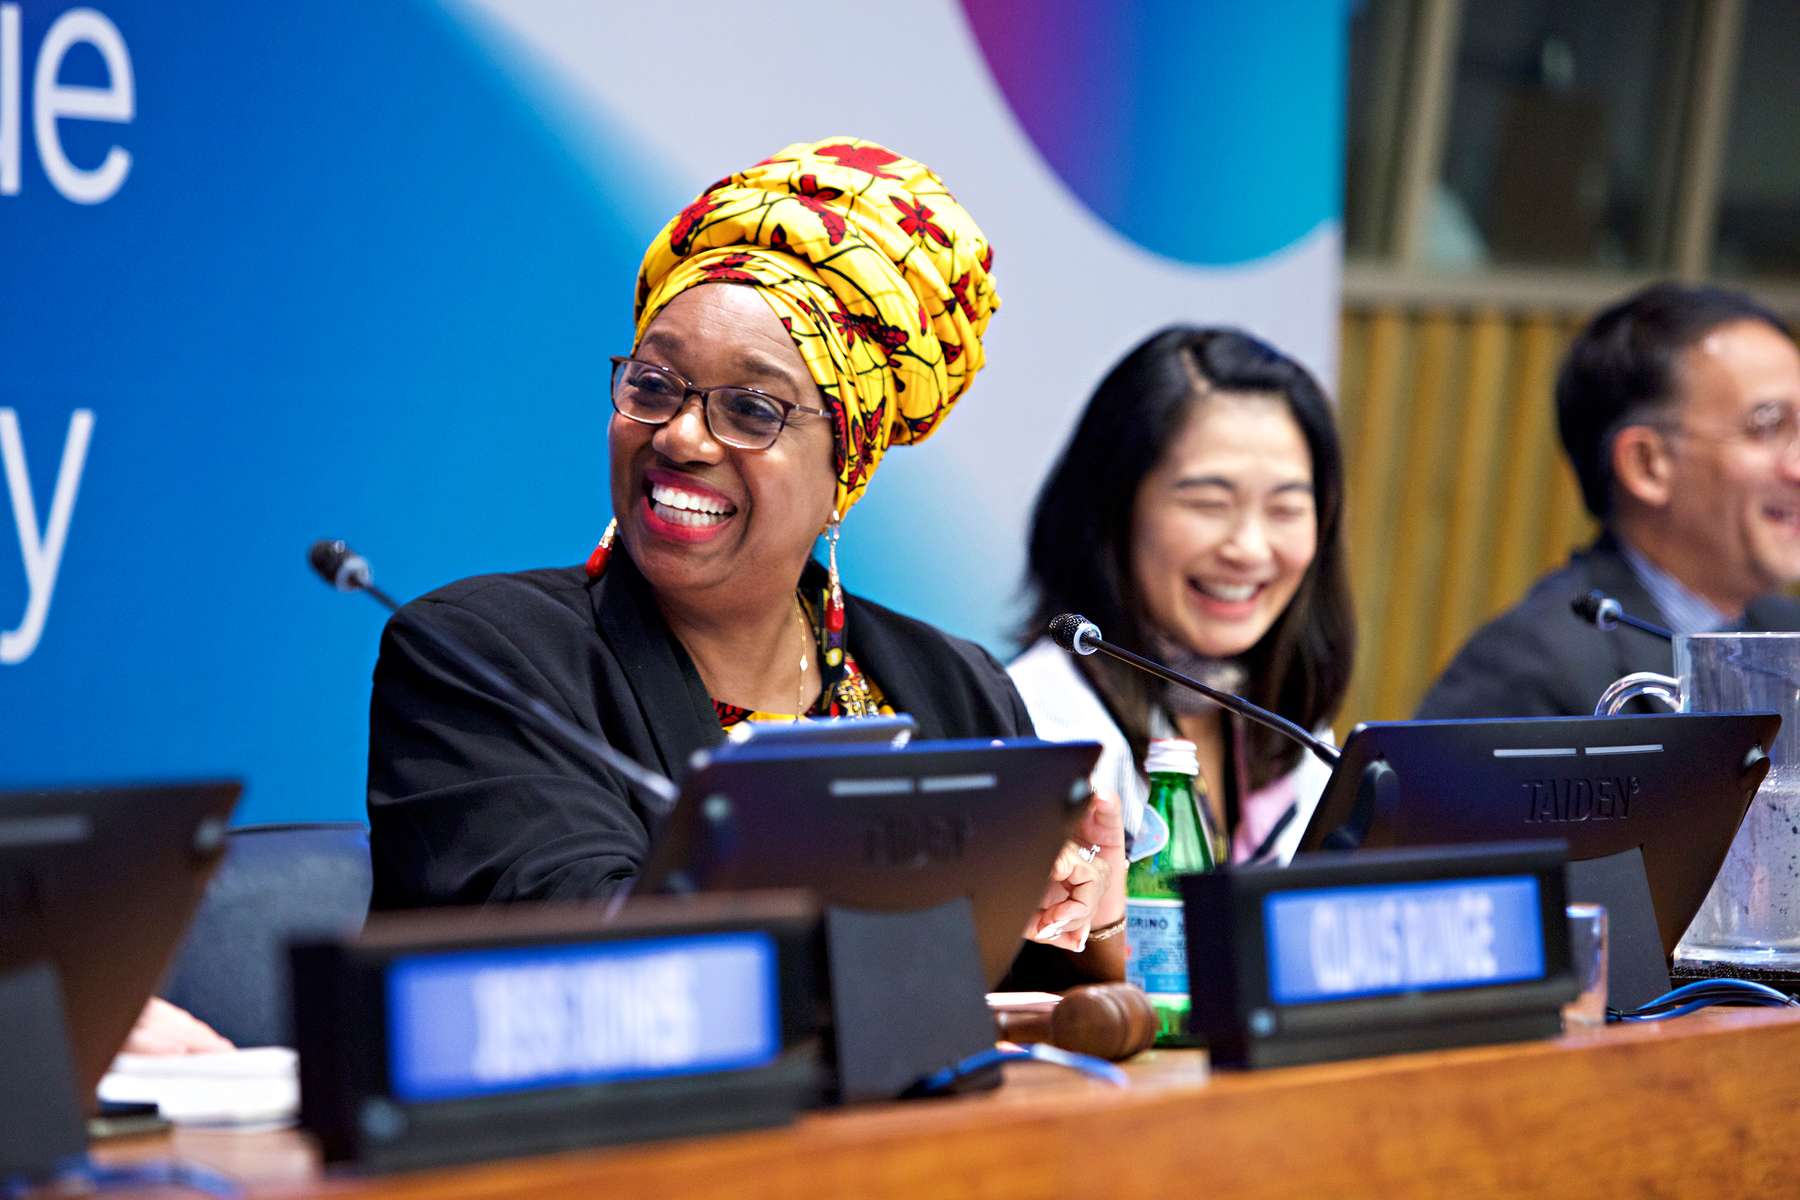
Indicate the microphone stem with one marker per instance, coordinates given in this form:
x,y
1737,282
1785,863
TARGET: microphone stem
x,y
1326,753
1646,627
380,597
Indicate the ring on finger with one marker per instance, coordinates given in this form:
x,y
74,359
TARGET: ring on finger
x,y
1088,853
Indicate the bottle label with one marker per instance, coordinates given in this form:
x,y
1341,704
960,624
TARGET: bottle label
x,y
1157,934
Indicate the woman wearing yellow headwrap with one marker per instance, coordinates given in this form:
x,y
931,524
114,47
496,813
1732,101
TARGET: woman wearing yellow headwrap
x,y
794,322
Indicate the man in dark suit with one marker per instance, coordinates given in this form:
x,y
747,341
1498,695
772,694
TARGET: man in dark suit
x,y
1679,409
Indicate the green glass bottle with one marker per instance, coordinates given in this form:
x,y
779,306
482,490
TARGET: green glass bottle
x,y
1154,927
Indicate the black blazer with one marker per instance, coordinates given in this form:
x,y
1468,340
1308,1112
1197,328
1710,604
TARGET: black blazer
x,y
469,805
1538,659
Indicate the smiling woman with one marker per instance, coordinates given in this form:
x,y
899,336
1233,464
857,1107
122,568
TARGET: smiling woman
x,y
794,322
1197,515
722,500
722,529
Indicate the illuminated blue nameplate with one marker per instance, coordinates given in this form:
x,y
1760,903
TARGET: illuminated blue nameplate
x,y
1381,939
473,1023
1378,952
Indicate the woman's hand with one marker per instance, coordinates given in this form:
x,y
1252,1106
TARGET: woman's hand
x,y
1087,881
163,1028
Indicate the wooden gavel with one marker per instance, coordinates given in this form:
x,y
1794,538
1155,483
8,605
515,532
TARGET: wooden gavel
x,y
1108,1020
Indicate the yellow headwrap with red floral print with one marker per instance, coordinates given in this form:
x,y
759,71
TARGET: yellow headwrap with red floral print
x,y
878,274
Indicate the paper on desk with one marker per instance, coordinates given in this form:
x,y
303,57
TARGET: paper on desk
x,y
1022,1001
236,1087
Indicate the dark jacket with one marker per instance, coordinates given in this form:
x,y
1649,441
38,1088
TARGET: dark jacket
x,y
469,805
1538,659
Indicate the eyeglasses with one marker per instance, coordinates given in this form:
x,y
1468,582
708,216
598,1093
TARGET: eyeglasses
x,y
1771,427
737,416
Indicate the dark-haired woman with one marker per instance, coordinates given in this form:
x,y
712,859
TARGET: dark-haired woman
x,y
1196,515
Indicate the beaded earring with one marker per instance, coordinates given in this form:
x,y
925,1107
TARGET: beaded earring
x,y
834,609
596,563
834,600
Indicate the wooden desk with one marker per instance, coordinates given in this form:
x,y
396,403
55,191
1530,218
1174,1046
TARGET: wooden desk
x,y
1704,1105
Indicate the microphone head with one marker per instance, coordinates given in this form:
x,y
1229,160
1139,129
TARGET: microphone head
x,y
340,566
1073,632
1597,608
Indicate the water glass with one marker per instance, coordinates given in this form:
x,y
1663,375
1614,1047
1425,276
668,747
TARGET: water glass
x,y
1587,953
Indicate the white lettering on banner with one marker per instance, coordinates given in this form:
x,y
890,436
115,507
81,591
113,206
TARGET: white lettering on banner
x,y
52,101
42,549
9,99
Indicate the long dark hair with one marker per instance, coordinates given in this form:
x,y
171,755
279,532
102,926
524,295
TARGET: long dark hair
x,y
1080,556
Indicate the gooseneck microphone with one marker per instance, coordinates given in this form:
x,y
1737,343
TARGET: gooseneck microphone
x,y
348,571
1078,635
343,568
1604,613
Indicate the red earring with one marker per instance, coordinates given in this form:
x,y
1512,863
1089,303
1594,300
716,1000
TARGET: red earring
x,y
596,563
834,596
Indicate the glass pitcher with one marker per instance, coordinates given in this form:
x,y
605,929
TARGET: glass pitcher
x,y
1751,917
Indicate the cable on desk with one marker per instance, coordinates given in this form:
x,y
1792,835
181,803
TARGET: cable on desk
x,y
1056,1056
90,1177
1704,993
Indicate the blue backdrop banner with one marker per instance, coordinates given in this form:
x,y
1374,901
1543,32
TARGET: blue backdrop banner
x,y
279,272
